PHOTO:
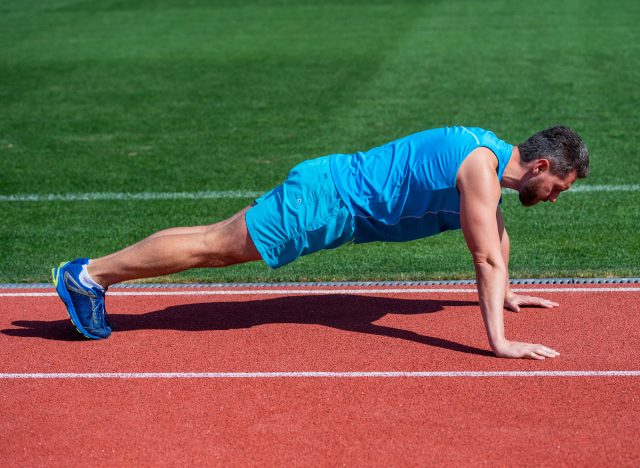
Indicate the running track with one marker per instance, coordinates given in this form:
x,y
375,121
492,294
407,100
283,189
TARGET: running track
x,y
193,377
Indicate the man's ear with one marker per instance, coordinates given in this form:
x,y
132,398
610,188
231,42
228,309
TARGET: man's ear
x,y
540,166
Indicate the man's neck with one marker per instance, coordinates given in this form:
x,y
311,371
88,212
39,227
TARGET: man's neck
x,y
514,171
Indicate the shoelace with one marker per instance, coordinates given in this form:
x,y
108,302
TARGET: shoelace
x,y
99,305
110,322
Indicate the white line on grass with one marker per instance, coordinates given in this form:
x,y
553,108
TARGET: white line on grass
x,y
118,196
271,375
603,188
305,292
231,194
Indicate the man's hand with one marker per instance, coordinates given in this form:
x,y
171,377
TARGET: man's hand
x,y
515,349
513,302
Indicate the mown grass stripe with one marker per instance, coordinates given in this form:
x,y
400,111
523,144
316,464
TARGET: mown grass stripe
x,y
229,194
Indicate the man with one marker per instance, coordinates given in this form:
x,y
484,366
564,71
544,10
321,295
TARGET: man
x,y
414,187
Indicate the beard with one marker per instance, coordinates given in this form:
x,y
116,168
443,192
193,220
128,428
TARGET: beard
x,y
529,192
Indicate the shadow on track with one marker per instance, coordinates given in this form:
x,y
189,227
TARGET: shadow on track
x,y
344,312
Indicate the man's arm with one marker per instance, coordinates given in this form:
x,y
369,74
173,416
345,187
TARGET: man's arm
x,y
513,301
479,195
505,247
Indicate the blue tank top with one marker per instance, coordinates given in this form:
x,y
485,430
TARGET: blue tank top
x,y
406,189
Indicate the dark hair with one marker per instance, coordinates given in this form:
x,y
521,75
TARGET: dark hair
x,y
562,147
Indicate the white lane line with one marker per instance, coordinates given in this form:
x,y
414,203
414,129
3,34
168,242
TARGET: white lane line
x,y
140,196
306,292
605,188
216,194
271,375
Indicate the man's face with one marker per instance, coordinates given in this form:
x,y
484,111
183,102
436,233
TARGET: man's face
x,y
544,187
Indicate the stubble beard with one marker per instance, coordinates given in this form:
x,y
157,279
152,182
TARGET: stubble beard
x,y
528,194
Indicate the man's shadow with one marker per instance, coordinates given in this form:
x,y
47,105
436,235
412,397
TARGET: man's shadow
x,y
344,312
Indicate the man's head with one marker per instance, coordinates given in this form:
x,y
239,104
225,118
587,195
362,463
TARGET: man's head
x,y
555,158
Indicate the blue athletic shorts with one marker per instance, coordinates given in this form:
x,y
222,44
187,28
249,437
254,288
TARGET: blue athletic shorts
x,y
301,216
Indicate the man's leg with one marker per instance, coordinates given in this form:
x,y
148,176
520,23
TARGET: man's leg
x,y
168,251
178,249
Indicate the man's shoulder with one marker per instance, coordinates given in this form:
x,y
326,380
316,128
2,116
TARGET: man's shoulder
x,y
478,171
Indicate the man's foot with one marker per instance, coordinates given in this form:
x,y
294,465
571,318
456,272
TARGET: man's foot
x,y
85,305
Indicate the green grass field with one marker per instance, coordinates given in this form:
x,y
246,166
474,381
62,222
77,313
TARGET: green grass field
x,y
194,95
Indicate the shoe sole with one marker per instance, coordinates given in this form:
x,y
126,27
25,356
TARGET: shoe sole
x,y
66,299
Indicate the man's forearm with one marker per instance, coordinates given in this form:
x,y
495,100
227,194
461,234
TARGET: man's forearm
x,y
505,247
491,280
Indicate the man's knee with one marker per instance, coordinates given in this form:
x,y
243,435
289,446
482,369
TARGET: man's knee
x,y
229,242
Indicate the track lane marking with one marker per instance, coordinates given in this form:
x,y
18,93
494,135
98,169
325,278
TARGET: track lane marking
x,y
271,375
229,194
302,292
127,196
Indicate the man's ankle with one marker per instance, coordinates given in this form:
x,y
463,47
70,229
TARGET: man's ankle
x,y
91,278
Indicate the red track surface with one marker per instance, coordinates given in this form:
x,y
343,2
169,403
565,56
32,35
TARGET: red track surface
x,y
319,421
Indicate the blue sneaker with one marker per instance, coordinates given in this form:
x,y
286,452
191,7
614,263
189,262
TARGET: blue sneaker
x,y
84,305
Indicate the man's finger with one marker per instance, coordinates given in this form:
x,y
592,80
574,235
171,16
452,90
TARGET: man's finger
x,y
547,352
534,355
538,301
